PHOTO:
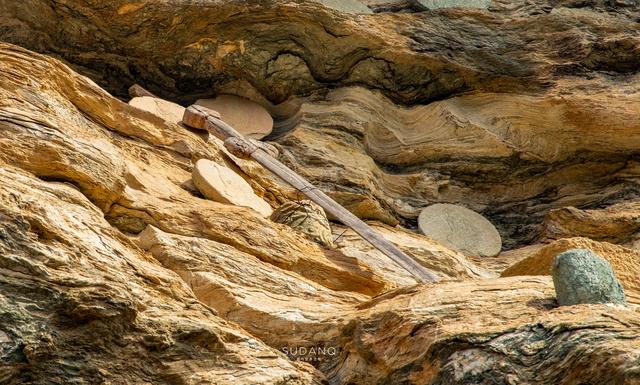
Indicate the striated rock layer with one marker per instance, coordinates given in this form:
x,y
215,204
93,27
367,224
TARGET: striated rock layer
x,y
535,103
80,302
114,269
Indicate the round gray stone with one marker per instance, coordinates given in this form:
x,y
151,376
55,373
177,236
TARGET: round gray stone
x,y
582,276
460,229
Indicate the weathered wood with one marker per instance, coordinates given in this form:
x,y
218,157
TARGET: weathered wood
x,y
210,120
137,91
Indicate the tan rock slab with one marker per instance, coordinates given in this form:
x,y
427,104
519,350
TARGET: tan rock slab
x,y
247,117
461,229
267,301
222,185
164,109
625,262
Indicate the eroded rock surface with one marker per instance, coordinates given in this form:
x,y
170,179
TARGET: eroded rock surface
x,y
80,302
499,82
507,330
518,111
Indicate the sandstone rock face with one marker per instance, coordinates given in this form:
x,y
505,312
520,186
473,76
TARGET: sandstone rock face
x,y
132,165
538,260
461,229
247,117
618,223
280,307
347,6
307,217
166,110
582,276
114,269
221,184
452,78
479,332
75,290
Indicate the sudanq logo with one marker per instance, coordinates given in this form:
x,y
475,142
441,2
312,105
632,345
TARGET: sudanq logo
x,y
310,353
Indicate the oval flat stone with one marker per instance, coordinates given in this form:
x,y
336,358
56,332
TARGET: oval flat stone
x,y
461,229
247,117
165,109
221,184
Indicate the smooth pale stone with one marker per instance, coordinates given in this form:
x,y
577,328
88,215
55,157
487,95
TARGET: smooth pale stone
x,y
247,117
461,229
437,4
221,184
165,109
346,6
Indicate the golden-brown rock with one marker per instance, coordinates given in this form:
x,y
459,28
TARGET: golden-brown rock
x,y
81,303
625,262
108,150
279,307
506,331
618,223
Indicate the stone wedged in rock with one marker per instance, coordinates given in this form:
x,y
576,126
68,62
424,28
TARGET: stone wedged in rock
x,y
132,165
580,276
538,260
460,229
75,290
247,117
307,217
462,150
164,109
221,184
445,262
506,330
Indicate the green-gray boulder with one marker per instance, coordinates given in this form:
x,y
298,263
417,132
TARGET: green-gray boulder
x,y
582,276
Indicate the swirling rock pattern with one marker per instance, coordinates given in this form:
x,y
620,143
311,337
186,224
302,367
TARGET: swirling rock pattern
x,y
113,267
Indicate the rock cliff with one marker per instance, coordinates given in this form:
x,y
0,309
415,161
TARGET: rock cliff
x,y
115,269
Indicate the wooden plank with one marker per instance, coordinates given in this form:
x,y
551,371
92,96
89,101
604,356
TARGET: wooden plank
x,y
203,118
137,91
